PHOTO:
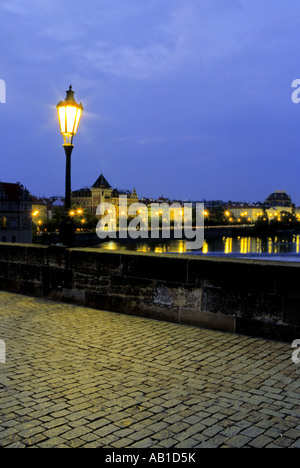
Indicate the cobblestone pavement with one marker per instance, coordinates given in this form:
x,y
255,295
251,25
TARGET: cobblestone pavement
x,y
77,377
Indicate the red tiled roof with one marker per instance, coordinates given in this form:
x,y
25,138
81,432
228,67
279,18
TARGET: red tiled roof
x,y
13,191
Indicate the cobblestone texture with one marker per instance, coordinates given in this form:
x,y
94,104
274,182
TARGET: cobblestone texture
x,y
77,377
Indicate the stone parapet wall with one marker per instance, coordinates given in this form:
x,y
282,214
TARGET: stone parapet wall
x,y
251,297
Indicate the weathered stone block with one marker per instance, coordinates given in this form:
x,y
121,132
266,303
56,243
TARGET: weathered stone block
x,y
23,272
74,296
267,329
270,305
105,302
90,281
218,300
160,268
291,310
288,280
154,311
57,257
232,274
93,260
37,255
207,320
56,279
131,287
30,288
15,253
4,269
177,295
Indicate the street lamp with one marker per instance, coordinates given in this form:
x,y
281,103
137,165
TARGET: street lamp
x,y
69,115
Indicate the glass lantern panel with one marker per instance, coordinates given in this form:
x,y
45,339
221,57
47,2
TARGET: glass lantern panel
x,y
71,117
62,119
78,116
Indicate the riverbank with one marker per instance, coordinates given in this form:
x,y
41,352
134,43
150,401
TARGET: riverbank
x,y
89,239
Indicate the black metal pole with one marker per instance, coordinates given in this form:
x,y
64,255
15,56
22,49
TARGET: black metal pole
x,y
67,228
68,151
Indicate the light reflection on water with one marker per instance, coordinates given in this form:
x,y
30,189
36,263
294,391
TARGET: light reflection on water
x,y
224,246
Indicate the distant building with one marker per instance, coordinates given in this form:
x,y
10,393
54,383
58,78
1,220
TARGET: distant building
x,y
83,197
102,192
244,212
279,199
272,207
15,214
39,210
277,202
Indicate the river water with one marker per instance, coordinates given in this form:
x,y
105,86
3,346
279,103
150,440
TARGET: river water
x,y
281,247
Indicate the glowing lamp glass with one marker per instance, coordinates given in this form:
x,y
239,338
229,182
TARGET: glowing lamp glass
x,y
69,115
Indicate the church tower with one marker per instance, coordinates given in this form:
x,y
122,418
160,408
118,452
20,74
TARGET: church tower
x,y
101,192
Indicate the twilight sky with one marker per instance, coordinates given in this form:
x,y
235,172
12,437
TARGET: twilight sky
x,y
186,98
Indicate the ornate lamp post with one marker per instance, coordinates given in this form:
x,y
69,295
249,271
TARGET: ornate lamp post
x,y
69,115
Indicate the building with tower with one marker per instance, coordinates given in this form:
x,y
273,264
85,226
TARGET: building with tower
x,y
102,192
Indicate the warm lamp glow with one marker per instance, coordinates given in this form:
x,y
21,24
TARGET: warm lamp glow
x,y
69,115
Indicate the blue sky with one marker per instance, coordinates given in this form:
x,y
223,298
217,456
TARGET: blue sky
x,y
189,99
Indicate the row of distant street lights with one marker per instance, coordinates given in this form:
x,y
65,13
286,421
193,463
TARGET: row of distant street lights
x,y
245,216
72,214
229,216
